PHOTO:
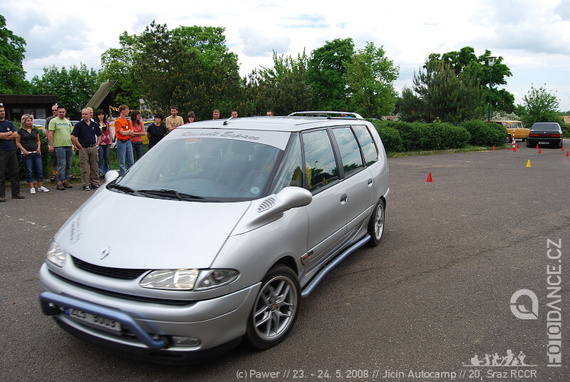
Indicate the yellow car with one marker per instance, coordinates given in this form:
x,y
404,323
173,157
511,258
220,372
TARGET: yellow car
x,y
515,129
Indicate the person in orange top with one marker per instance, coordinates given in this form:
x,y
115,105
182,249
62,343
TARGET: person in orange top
x,y
124,132
136,138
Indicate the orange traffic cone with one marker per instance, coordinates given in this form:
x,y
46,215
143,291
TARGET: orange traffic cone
x,y
539,151
562,148
568,153
493,148
429,177
537,146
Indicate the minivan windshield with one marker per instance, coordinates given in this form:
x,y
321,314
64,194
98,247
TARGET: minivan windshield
x,y
207,165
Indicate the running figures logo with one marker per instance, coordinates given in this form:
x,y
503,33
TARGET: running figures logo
x,y
492,360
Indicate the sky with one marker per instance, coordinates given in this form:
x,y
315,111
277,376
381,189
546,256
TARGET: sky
x,y
532,36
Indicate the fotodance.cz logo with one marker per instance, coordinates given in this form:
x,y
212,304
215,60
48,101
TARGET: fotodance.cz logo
x,y
524,303
519,305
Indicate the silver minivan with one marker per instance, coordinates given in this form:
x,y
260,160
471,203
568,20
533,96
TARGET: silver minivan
x,y
243,217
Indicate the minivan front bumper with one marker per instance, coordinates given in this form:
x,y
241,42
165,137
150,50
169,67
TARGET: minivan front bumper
x,y
149,330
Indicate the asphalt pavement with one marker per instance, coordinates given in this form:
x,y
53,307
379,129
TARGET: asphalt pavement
x,y
431,303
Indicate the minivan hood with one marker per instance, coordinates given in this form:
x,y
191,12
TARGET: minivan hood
x,y
123,231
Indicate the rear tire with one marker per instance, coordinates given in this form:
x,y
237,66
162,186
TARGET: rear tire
x,y
376,224
275,309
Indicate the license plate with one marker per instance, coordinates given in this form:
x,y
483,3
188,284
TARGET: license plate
x,y
93,319
543,143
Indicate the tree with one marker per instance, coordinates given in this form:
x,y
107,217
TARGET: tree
x,y
189,67
409,107
370,77
117,65
445,95
73,87
12,49
540,106
466,60
282,88
327,73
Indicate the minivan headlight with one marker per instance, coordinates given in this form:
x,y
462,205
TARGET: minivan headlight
x,y
56,255
212,278
188,279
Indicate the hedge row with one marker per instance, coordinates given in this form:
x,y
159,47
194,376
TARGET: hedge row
x,y
416,136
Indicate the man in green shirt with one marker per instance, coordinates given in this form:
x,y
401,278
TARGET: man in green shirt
x,y
59,138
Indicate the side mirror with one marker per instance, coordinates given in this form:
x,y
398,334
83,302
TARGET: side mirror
x,y
111,175
293,197
273,206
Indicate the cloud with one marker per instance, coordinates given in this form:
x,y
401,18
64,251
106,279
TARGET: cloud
x,y
144,19
305,21
256,43
533,36
46,37
563,9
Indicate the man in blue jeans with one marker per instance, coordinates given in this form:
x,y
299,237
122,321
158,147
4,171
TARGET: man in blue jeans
x,y
59,138
8,158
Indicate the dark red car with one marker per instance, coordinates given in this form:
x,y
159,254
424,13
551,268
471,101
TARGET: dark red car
x,y
545,133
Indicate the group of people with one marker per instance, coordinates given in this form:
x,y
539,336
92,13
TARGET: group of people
x,y
92,137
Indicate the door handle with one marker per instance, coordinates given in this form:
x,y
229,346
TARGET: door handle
x,y
343,199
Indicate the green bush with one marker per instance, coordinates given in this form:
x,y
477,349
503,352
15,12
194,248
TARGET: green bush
x,y
390,136
417,136
485,133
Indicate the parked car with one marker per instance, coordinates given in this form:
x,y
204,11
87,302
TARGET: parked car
x,y
545,133
515,129
245,217
39,123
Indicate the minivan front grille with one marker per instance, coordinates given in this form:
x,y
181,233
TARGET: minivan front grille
x,y
116,273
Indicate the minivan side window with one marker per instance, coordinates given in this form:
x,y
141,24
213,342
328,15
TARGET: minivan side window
x,y
320,161
349,150
291,173
369,149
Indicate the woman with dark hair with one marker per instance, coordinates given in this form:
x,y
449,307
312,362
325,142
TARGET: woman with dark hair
x,y
156,131
106,141
191,117
136,139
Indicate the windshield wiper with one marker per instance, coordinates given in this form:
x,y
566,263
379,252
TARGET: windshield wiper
x,y
126,189
170,194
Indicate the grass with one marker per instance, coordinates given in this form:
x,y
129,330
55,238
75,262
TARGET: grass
x,y
466,149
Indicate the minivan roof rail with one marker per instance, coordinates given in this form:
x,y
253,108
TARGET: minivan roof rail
x,y
328,114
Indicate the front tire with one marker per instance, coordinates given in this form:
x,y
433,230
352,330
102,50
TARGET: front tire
x,y
275,309
376,224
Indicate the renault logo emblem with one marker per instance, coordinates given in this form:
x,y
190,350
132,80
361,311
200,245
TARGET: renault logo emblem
x,y
105,252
